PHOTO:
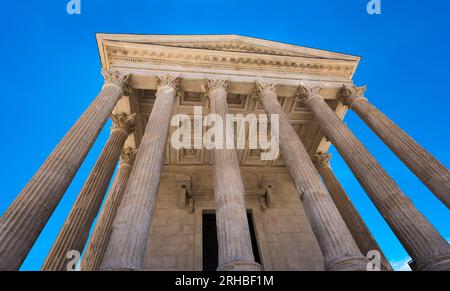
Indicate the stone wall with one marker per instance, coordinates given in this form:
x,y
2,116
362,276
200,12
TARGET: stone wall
x,y
285,238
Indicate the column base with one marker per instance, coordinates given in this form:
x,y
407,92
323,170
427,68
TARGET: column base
x,y
117,266
347,264
437,263
240,266
118,269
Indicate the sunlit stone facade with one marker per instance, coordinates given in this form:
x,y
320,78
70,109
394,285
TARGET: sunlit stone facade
x,y
226,209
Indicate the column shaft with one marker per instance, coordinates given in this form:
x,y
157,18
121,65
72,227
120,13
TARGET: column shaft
x,y
98,242
426,167
418,236
25,218
129,235
338,247
235,245
75,229
361,233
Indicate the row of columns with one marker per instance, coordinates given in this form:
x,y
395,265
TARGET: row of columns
x,y
359,230
426,167
338,248
119,238
125,250
421,240
25,218
95,250
75,230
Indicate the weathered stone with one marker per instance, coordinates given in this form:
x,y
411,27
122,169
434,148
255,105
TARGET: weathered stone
x,y
24,220
361,233
291,233
75,231
98,242
426,167
336,242
420,239
126,247
235,246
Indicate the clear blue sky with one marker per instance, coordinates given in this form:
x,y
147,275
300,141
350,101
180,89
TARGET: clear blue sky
x,y
51,72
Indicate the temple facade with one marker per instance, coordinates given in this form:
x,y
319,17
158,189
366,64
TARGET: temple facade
x,y
197,208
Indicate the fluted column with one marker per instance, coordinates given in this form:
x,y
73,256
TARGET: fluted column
x,y
235,245
420,239
129,235
98,242
25,218
75,230
338,247
361,233
429,170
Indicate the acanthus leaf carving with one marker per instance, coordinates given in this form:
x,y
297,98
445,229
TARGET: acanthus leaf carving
x,y
305,94
214,84
322,159
169,81
128,156
262,88
352,94
123,121
114,77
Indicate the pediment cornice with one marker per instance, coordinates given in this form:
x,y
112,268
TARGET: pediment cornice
x,y
227,42
224,55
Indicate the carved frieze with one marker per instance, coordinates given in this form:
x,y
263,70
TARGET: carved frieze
x,y
158,55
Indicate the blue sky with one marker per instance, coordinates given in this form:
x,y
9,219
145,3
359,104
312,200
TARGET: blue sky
x,y
50,72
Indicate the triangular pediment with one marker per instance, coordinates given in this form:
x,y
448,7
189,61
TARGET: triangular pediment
x,y
233,52
231,43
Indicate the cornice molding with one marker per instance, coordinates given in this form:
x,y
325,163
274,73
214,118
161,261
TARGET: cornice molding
x,y
118,53
235,46
226,41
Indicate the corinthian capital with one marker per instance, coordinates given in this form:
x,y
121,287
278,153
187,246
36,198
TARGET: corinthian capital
x,y
214,84
169,81
305,94
322,159
262,86
265,88
113,77
123,121
128,156
351,94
